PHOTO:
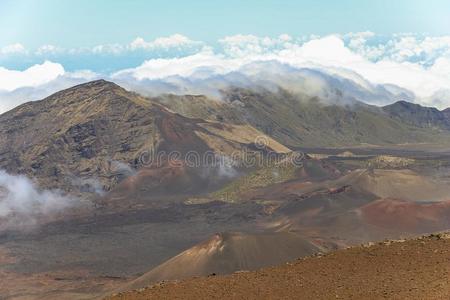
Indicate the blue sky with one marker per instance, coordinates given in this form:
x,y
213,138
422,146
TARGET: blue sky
x,y
85,23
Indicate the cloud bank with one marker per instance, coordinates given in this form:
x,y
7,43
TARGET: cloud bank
x,y
328,54
34,76
411,65
13,49
37,82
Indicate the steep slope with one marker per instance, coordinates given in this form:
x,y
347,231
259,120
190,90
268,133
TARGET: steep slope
x,y
226,253
89,136
76,132
300,120
417,115
446,112
412,269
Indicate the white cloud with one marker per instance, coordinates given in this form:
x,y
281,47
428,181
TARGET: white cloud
x,y
173,41
327,51
48,49
138,43
83,74
209,63
25,93
329,54
33,76
205,61
358,42
285,37
108,49
22,203
441,67
241,50
244,45
399,48
417,63
13,49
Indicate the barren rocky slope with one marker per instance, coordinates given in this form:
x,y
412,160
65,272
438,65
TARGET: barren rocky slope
x,y
412,269
154,215
81,138
90,135
228,252
296,120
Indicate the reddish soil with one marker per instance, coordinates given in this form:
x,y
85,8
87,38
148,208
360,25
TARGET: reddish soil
x,y
178,133
407,216
413,269
170,170
226,253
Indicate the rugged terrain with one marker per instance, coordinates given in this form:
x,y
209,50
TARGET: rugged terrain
x,y
147,220
91,136
405,269
295,119
225,253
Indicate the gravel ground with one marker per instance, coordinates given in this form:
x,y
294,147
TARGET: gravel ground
x,y
413,269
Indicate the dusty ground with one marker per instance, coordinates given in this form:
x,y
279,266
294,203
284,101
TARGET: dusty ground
x,y
75,285
87,256
414,269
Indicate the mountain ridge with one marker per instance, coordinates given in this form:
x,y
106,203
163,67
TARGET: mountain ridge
x,y
297,119
78,132
88,126
419,115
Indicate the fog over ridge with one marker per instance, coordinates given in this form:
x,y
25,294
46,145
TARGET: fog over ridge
x,y
364,66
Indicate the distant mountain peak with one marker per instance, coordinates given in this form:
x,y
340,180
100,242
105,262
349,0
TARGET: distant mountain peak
x,y
419,115
406,105
97,92
98,83
92,87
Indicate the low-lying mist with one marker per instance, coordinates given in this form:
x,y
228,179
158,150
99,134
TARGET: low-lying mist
x,y
332,86
22,203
